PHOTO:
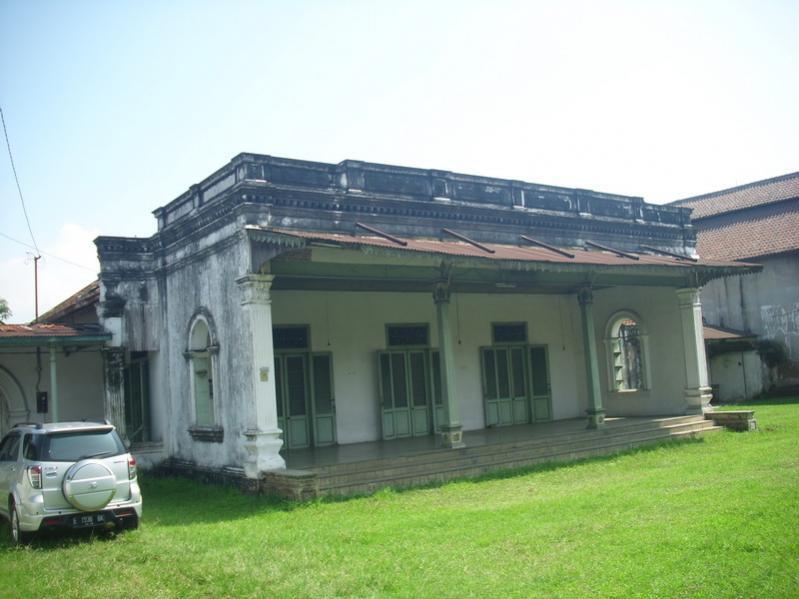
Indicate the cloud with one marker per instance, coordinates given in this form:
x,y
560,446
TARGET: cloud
x,y
58,278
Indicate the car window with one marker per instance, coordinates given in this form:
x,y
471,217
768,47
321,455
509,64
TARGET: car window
x,y
29,448
73,446
3,444
10,449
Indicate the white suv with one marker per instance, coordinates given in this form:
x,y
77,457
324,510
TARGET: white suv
x,y
67,475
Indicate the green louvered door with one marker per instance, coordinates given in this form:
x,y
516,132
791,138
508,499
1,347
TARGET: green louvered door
x,y
291,383
505,385
404,393
324,402
306,407
541,386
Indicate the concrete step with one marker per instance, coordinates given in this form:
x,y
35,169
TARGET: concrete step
x,y
443,458
435,454
470,472
495,458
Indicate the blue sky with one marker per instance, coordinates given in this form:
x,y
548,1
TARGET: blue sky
x,y
115,108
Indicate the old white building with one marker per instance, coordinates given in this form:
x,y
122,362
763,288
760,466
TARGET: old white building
x,y
286,306
756,223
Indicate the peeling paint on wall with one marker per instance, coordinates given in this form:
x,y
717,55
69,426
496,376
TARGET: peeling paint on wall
x,y
781,323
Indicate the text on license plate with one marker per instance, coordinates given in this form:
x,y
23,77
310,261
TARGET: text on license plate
x,y
92,520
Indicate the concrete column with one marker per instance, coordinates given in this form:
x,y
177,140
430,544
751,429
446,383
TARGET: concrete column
x,y
263,439
114,363
596,413
697,390
451,429
53,384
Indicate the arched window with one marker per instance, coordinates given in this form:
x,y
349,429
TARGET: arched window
x,y
201,355
626,344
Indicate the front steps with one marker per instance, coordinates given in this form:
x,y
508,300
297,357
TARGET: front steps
x,y
439,465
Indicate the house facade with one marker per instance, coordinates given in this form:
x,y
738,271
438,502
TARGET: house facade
x,y
284,305
757,223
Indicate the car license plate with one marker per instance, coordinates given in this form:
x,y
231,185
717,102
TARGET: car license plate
x,y
88,520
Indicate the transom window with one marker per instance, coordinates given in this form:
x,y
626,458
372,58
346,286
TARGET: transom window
x,y
291,337
509,332
626,353
407,335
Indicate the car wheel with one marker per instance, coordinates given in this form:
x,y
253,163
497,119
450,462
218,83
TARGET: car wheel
x,y
18,536
132,523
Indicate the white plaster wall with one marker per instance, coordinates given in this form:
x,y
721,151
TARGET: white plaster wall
x,y
208,283
766,303
739,375
80,382
352,326
659,312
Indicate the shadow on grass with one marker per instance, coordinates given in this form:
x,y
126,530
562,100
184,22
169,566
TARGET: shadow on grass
x,y
173,501
761,401
50,541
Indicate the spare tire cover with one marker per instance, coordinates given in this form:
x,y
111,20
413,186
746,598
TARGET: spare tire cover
x,y
89,485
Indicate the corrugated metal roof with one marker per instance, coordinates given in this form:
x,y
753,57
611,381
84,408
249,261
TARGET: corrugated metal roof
x,y
500,251
32,331
715,333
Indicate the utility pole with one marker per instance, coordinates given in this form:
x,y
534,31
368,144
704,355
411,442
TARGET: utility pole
x,y
36,285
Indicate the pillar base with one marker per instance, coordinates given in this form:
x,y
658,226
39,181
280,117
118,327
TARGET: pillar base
x,y
263,452
697,399
451,437
596,419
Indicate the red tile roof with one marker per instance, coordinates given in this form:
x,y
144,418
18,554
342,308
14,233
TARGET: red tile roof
x,y
526,253
753,194
744,235
80,299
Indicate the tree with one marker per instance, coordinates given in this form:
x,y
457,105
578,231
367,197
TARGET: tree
x,y
5,311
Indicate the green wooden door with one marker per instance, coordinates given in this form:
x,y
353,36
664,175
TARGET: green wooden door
x,y
505,385
324,402
291,384
435,384
541,386
404,393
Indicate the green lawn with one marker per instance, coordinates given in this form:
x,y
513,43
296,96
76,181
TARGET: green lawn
x,y
715,517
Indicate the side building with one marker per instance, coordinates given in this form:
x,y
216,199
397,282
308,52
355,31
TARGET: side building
x,y
757,223
284,306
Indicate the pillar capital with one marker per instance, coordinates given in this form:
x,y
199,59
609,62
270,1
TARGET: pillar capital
x,y
441,292
585,295
688,296
255,289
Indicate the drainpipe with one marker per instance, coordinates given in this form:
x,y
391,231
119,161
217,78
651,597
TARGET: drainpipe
x,y
53,384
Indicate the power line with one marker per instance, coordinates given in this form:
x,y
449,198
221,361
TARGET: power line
x,y
16,178
27,245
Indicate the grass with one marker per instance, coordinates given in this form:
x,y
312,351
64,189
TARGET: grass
x,y
717,517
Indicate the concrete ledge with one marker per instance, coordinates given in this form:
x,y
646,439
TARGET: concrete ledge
x,y
294,485
736,420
